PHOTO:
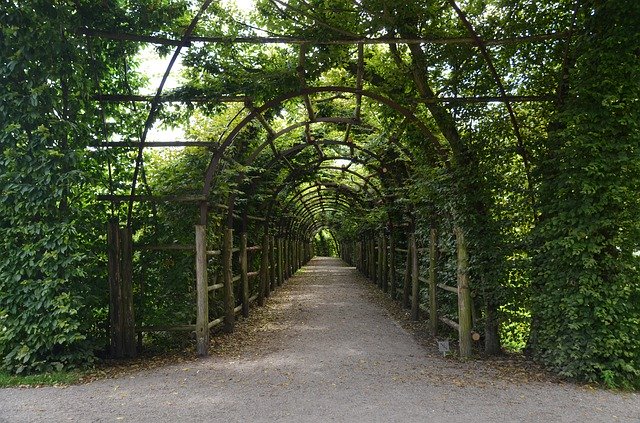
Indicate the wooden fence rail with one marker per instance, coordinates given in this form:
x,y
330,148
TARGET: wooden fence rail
x,y
376,257
280,258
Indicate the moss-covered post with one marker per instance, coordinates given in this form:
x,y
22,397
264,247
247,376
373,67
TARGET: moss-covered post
x,y
392,263
406,281
263,290
384,265
433,262
202,291
227,280
415,280
464,295
244,277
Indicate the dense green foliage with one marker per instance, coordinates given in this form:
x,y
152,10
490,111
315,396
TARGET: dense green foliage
x,y
587,287
52,272
545,191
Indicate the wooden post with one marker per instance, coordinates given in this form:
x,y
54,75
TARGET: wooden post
x,y
392,264
372,247
379,262
263,291
202,290
384,265
464,295
280,262
121,315
229,300
415,281
285,258
115,277
128,320
272,263
406,283
433,261
244,279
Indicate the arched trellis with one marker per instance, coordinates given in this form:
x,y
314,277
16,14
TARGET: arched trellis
x,y
304,95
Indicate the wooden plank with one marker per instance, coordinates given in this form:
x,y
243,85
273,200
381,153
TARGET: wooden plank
x,y
202,292
449,322
216,286
214,252
402,250
215,322
448,288
229,300
253,274
464,295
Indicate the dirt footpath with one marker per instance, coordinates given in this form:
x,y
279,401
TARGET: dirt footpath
x,y
321,350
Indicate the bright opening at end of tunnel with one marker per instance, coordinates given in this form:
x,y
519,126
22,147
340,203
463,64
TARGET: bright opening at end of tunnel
x,y
325,244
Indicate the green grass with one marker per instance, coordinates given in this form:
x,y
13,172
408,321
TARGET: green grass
x,y
46,379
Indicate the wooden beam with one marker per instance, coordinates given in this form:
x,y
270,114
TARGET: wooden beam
x,y
294,40
156,144
138,98
153,199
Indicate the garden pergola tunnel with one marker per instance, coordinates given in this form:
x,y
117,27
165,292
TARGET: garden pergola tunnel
x,y
298,207
475,159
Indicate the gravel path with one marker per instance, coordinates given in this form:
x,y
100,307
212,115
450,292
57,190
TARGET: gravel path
x,y
320,351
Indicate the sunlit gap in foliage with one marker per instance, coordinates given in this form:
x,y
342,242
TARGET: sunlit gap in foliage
x,y
325,244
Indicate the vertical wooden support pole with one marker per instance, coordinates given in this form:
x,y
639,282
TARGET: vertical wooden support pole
x,y
406,282
372,255
244,278
392,264
202,291
464,295
415,281
280,262
263,290
378,262
128,320
384,265
115,277
229,300
433,262
285,257
272,263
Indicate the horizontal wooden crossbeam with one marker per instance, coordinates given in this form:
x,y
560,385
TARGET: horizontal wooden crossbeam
x,y
119,36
